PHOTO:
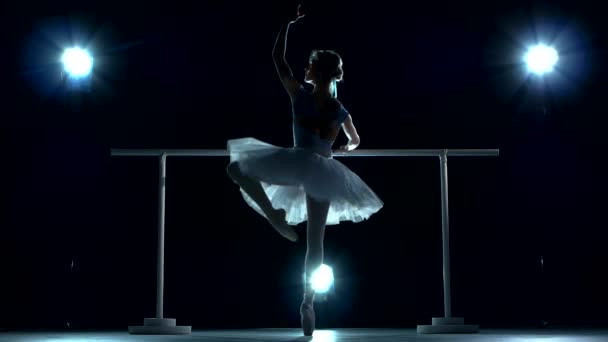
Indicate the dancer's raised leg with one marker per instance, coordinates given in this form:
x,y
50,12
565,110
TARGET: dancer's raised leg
x,y
315,234
254,189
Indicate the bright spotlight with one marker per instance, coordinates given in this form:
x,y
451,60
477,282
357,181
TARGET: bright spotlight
x,y
77,62
322,279
541,59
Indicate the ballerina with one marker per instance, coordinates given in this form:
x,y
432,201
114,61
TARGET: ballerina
x,y
291,185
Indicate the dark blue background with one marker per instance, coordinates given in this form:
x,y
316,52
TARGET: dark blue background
x,y
195,74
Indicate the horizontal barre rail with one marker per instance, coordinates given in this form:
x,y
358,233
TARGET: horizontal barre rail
x,y
354,153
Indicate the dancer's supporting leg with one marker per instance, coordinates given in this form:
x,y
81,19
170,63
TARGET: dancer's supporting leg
x,y
254,189
315,233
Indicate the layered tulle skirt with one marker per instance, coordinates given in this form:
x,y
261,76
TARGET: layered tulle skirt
x,y
289,174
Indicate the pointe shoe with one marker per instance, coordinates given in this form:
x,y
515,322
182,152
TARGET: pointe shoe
x,y
278,222
307,318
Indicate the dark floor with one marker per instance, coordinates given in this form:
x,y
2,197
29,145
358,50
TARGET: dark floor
x,y
379,335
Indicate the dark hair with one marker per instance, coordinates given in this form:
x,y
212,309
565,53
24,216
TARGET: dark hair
x,y
328,64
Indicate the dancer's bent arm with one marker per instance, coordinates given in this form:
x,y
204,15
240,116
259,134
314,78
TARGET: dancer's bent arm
x,y
351,134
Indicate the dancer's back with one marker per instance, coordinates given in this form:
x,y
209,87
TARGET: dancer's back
x,y
316,124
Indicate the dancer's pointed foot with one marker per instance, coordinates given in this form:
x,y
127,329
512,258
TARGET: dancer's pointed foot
x,y
279,223
307,318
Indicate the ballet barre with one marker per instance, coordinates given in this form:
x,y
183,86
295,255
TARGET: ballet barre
x,y
440,325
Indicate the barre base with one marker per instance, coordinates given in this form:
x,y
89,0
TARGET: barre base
x,y
453,325
160,326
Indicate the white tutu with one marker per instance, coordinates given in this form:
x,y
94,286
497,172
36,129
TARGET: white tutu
x,y
288,174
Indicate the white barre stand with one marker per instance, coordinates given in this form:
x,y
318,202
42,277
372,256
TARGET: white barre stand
x,y
439,325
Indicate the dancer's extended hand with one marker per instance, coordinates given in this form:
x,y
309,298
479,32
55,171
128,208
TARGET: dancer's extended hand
x,y
299,14
351,145
344,148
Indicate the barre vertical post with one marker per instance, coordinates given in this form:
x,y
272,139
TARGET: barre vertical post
x,y
160,325
446,324
445,233
160,267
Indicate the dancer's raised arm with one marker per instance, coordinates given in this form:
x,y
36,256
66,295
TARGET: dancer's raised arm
x,y
278,54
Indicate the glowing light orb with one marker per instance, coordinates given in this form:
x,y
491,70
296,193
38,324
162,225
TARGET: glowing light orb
x,y
77,62
541,59
322,279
